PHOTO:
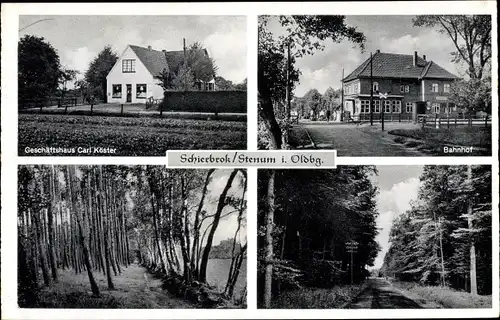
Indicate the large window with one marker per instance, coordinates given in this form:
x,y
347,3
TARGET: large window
x,y
141,91
409,107
396,106
117,91
435,87
365,106
376,106
446,88
436,107
128,65
387,106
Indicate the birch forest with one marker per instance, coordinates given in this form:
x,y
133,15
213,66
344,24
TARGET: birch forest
x,y
102,236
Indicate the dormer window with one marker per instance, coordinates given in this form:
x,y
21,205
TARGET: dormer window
x,y
128,65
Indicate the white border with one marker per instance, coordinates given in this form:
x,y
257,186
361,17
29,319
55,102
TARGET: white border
x,y
10,13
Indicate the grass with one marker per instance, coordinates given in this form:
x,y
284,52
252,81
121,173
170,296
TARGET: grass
x,y
442,297
131,136
73,291
298,138
317,298
435,139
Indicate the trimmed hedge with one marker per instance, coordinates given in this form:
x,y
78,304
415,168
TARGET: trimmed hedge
x,y
205,101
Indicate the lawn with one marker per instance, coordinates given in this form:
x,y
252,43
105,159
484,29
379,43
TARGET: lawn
x,y
433,140
131,136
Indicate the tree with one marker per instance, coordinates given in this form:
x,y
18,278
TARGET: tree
x,y
471,35
241,86
304,35
473,94
99,67
66,76
197,66
39,69
223,84
313,101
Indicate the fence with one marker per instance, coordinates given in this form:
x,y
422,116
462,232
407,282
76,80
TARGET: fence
x,y
388,117
50,102
439,121
205,101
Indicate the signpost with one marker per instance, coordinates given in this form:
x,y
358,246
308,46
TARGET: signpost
x,y
352,247
383,97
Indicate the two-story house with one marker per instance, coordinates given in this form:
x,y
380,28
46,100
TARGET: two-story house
x,y
412,84
135,76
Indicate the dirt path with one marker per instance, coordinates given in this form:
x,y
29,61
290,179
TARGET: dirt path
x,y
381,295
352,140
137,288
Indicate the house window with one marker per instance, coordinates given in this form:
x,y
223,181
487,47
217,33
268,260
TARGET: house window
x,y
375,87
436,107
357,107
396,106
407,88
356,88
117,91
376,106
409,107
402,88
141,90
435,87
446,88
365,106
387,106
128,65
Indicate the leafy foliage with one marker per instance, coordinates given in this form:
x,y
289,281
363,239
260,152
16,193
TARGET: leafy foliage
x,y
431,242
39,68
95,76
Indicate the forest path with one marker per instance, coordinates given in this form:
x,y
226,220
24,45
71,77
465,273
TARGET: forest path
x,y
381,295
137,288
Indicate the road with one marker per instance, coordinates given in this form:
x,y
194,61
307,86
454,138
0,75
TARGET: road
x,y
354,140
381,295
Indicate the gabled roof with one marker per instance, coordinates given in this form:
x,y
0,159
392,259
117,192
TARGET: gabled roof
x,y
155,61
393,65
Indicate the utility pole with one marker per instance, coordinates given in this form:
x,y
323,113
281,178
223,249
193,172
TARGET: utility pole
x,y
371,89
342,97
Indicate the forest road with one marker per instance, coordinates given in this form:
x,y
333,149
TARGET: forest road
x,y
137,288
380,294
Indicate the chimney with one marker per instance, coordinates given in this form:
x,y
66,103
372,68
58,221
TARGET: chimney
x,y
378,51
415,59
149,48
425,57
164,51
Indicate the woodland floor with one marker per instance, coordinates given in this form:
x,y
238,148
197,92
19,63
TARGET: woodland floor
x,y
135,288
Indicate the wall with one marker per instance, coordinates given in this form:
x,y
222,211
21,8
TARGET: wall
x,y
140,76
205,101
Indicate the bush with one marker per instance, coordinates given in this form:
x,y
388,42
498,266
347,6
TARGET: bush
x,y
205,101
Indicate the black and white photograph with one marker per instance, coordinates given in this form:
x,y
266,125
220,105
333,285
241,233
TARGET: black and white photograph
x,y
135,237
376,85
131,85
376,237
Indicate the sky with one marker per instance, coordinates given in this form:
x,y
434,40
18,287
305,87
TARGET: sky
x,y
398,186
391,34
78,39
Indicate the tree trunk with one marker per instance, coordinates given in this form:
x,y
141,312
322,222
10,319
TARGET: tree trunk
x,y
105,228
472,250
268,246
268,117
220,206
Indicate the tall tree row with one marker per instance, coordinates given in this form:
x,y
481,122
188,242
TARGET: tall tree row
x,y
100,219
445,238
70,218
314,214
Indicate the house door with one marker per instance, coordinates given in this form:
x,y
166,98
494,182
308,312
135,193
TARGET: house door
x,y
129,93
